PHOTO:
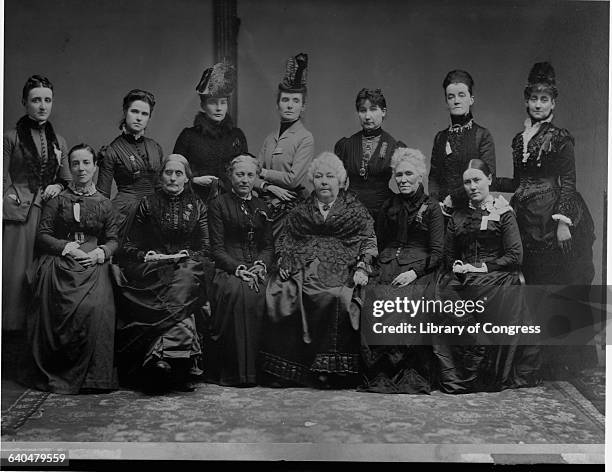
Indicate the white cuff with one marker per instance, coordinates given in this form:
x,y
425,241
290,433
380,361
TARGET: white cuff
x,y
99,252
69,247
565,219
240,267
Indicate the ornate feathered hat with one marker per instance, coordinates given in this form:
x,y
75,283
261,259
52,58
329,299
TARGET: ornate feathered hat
x,y
294,80
218,81
541,79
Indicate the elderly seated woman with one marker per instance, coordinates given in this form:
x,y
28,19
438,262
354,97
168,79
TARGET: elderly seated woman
x,y
162,285
311,335
410,228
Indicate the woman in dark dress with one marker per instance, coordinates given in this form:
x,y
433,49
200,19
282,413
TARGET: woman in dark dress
x,y
456,145
34,170
366,155
162,286
132,159
213,140
325,251
411,239
483,253
555,224
241,245
71,327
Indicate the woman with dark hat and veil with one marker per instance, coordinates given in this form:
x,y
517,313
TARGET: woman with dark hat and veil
x,y
367,154
456,145
556,226
287,152
213,140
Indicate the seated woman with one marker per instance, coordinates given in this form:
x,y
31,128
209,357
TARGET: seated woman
x,y
241,245
483,253
367,154
325,251
411,238
162,285
71,327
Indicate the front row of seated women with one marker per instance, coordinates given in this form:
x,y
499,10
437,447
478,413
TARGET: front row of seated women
x,y
200,290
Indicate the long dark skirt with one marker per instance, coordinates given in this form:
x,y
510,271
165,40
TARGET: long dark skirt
x,y
158,300
18,239
475,367
308,330
235,329
72,326
398,368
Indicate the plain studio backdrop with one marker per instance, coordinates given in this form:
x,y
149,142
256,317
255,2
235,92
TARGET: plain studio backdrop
x,y
94,51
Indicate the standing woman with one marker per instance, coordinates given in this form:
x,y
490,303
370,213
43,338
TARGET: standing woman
x,y
367,154
35,169
213,140
555,224
132,159
72,328
287,153
242,248
456,145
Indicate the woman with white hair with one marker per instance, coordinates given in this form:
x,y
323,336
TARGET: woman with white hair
x,y
162,284
241,245
410,226
325,251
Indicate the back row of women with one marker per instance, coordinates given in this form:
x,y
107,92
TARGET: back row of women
x,y
250,275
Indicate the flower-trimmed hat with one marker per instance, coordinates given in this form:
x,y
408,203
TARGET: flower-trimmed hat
x,y
294,80
218,81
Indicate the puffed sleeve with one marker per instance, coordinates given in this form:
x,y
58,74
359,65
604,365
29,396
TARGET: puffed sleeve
x,y
111,231
106,170
339,150
437,156
567,204
64,177
134,245
216,230
243,145
512,245
182,144
46,241
486,150
296,176
201,237
435,226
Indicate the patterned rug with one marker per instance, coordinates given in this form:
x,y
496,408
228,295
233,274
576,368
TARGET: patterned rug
x,y
554,413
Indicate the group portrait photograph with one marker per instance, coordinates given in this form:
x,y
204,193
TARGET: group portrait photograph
x,y
304,232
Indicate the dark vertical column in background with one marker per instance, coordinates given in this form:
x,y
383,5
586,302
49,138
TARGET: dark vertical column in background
x,y
226,25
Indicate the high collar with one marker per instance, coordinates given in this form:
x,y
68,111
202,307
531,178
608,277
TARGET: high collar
x,y
372,133
130,138
414,196
484,205
530,123
211,127
461,122
285,125
82,190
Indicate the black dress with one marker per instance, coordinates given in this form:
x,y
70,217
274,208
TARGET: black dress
x,y
473,367
453,148
209,146
160,302
72,324
240,235
133,164
411,229
311,337
368,172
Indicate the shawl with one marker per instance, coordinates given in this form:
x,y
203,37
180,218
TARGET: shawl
x,y
399,214
337,241
40,173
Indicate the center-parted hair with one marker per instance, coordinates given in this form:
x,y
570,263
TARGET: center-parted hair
x,y
480,165
176,158
375,96
135,95
80,147
245,157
